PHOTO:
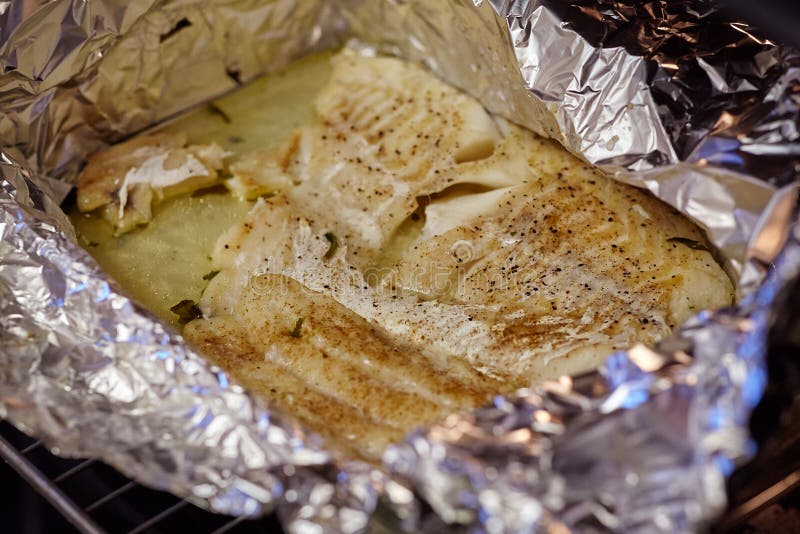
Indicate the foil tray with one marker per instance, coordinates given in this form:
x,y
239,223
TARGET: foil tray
x,y
700,110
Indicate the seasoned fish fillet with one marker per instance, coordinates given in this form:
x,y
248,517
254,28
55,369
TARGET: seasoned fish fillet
x,y
418,256
326,363
124,180
387,133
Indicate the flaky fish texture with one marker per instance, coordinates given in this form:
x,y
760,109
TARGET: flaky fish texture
x,y
420,256
125,180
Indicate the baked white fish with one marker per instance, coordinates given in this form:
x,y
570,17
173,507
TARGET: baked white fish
x,y
419,256
125,180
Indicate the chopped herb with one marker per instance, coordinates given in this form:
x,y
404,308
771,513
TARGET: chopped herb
x,y
186,310
86,241
234,75
216,110
334,245
691,243
181,24
298,327
235,139
210,275
216,189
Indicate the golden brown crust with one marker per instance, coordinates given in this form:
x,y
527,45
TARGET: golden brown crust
x,y
368,385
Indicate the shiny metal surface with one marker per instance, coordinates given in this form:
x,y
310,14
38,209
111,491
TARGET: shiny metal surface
x,y
644,444
47,489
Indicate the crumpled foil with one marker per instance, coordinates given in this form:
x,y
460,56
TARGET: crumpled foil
x,y
672,97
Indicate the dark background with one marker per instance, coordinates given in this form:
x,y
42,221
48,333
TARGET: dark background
x,y
23,510
780,19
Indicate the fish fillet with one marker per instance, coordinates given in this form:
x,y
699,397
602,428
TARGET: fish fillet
x,y
417,256
124,180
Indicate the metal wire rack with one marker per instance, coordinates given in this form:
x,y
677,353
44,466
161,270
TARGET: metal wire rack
x,y
96,499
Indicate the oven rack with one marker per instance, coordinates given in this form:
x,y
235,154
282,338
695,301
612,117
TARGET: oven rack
x,y
95,499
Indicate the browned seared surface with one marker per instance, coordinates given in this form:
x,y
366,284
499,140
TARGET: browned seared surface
x,y
331,368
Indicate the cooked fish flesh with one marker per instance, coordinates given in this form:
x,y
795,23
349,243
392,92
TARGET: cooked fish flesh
x,y
415,256
124,180
324,362
407,254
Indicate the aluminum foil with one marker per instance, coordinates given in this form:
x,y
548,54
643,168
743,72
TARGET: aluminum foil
x,y
669,96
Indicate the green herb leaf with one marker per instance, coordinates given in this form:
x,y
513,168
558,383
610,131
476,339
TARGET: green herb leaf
x,y
186,310
211,275
691,243
334,245
298,329
216,110
216,189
